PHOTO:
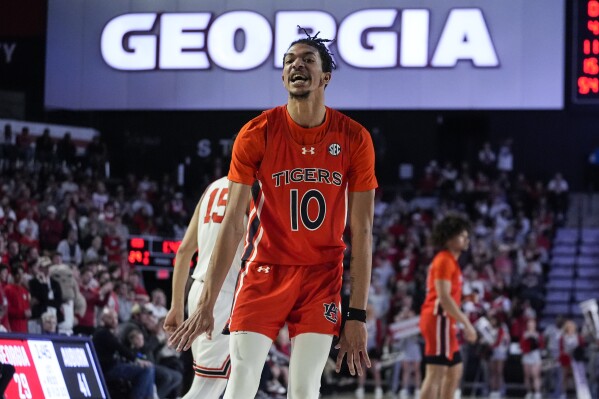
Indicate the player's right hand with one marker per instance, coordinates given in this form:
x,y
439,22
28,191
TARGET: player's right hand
x,y
470,333
173,319
201,321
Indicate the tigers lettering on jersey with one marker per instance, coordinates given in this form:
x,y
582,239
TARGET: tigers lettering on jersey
x,y
299,204
310,175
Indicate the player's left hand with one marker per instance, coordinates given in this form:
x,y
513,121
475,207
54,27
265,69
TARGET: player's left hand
x,y
201,321
173,319
353,343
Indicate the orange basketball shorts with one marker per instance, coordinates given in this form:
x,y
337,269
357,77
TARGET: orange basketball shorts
x,y
440,335
307,298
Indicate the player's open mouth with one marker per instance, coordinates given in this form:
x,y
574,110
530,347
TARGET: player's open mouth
x,y
298,78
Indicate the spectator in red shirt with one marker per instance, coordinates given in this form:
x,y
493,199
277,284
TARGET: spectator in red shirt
x,y
95,297
19,309
28,239
4,303
51,230
112,244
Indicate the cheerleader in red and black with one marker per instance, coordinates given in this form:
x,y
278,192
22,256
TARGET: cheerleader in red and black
x,y
531,344
570,345
499,354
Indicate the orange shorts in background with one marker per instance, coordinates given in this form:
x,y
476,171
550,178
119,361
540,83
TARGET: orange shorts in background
x,y
307,298
440,335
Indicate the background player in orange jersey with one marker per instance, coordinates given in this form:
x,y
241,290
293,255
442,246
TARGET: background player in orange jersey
x,y
313,167
441,310
211,362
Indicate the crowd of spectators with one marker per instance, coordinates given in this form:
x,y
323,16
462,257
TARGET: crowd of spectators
x,y
63,223
513,222
58,208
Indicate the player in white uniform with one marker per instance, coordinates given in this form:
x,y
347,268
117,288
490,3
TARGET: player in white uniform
x,y
210,354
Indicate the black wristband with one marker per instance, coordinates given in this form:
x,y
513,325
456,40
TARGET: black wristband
x,y
355,314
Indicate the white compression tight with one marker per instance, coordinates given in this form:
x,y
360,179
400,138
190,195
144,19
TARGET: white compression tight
x,y
309,355
207,388
248,354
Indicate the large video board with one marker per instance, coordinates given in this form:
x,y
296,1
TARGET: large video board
x,y
400,54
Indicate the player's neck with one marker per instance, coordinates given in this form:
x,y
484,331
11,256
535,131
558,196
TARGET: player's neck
x,y
307,113
455,254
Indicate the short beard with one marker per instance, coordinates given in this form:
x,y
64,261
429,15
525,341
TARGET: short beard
x,y
301,97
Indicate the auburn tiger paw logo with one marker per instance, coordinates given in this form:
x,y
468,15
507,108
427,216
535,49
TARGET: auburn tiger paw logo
x,y
330,312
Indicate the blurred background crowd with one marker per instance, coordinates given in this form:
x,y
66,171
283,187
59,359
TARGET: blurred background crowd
x,y
64,226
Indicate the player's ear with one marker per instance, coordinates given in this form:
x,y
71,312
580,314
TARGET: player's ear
x,y
326,78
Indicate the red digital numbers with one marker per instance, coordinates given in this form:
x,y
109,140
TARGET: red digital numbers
x,y
587,85
170,247
139,257
590,66
590,47
154,252
587,51
593,26
137,243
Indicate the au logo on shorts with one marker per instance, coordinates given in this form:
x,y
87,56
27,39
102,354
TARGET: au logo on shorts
x,y
330,312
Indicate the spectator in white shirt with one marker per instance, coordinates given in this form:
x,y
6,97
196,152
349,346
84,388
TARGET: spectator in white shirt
x,y
100,196
558,194
70,250
143,203
157,306
28,222
505,158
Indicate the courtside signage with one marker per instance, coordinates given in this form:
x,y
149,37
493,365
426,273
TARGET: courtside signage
x,y
402,54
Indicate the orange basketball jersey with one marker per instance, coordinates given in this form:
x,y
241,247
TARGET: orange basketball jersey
x,y
443,267
299,200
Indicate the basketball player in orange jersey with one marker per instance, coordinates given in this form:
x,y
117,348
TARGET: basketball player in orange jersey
x,y
441,310
313,166
211,357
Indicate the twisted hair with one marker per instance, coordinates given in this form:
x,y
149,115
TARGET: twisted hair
x,y
319,44
449,227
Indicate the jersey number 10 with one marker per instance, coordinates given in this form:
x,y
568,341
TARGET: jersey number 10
x,y
299,210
